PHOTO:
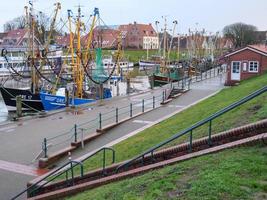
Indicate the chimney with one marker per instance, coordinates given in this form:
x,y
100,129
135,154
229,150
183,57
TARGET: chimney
x,y
134,22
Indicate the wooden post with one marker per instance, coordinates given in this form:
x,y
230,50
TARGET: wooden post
x,y
67,97
101,91
128,85
19,106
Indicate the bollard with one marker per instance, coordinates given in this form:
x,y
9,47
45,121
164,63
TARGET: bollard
x,y
117,115
19,106
131,110
100,121
45,148
153,102
143,105
75,132
67,97
163,97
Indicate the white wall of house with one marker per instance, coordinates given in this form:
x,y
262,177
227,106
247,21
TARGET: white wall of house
x,y
150,42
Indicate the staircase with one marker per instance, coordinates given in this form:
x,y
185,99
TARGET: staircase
x,y
153,158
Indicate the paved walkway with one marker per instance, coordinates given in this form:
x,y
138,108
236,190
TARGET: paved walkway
x,y
21,142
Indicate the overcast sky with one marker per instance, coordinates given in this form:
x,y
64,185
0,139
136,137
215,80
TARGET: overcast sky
x,y
212,15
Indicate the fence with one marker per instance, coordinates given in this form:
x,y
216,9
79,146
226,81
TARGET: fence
x,y
80,131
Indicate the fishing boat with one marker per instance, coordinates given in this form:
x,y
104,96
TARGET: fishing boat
x,y
166,71
30,101
30,96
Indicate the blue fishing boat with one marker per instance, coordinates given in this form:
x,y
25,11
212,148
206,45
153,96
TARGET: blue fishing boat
x,y
53,102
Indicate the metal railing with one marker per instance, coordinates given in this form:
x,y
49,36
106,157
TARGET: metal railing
x,y
64,169
33,189
118,114
79,131
190,129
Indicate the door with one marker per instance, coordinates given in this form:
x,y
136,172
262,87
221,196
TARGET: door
x,y
235,71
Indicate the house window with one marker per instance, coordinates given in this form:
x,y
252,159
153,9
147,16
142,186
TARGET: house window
x,y
253,66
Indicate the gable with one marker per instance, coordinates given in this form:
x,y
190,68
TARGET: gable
x,y
244,49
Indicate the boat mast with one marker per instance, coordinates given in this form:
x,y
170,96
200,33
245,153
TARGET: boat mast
x,y
34,87
173,32
164,41
79,70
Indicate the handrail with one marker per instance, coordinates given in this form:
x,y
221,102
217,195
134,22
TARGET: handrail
x,y
72,164
198,124
104,156
28,189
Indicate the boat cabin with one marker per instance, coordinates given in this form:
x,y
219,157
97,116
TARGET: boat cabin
x,y
245,63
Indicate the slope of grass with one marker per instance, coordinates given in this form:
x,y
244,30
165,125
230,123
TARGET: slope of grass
x,y
250,112
239,173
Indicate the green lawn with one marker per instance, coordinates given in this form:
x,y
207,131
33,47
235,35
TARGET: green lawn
x,y
140,54
239,173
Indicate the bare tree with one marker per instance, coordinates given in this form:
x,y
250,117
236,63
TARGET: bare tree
x,y
240,34
16,23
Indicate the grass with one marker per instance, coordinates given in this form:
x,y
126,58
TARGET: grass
x,y
239,173
140,54
250,112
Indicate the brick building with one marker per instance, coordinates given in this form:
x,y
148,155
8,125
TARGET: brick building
x,y
133,34
245,63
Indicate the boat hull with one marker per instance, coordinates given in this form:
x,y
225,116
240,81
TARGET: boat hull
x,y
54,102
162,80
30,101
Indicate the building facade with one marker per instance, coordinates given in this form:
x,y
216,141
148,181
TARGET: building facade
x,y
245,63
150,42
133,35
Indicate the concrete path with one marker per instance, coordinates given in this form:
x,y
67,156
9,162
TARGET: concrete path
x,y
21,142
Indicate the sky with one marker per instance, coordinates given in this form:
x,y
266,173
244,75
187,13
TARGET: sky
x,y
212,15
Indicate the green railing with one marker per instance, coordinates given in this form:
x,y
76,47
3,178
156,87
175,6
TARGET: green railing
x,y
69,166
190,129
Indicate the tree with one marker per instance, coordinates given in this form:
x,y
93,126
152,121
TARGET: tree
x,y
16,23
240,34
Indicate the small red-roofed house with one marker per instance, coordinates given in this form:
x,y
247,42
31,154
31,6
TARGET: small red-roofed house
x,y
246,62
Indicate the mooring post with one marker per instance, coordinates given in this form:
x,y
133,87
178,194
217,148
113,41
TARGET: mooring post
x,y
153,102
67,97
128,86
19,106
143,105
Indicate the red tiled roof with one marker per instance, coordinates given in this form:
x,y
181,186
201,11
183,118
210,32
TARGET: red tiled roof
x,y
260,47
